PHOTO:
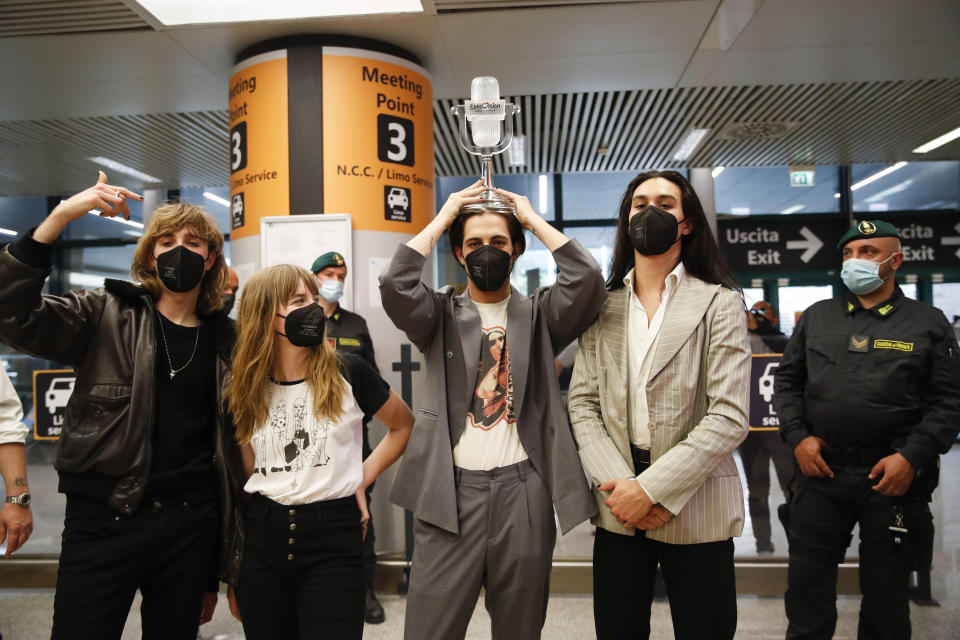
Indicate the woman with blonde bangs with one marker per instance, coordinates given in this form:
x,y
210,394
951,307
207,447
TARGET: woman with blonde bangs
x,y
299,407
145,457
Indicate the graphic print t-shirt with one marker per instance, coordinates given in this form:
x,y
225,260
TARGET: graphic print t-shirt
x,y
299,458
489,438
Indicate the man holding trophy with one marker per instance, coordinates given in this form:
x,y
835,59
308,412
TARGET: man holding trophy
x,y
491,455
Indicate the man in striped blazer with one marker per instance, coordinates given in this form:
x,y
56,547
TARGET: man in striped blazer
x,y
658,403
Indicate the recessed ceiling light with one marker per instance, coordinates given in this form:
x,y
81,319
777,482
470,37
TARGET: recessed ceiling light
x,y
517,151
690,142
7,232
181,12
938,142
122,168
877,176
793,209
216,198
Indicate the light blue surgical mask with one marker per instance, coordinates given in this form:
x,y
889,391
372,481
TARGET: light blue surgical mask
x,y
862,276
331,290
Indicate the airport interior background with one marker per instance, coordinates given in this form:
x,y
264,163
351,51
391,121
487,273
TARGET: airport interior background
x,y
793,119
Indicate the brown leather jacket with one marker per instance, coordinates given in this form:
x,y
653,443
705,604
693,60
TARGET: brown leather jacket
x,y
108,336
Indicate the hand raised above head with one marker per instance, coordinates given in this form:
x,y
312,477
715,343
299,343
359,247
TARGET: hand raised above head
x,y
111,200
456,200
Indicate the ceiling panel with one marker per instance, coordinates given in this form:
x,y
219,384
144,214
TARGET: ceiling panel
x,y
832,123
30,17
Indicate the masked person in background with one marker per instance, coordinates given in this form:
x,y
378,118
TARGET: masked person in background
x,y
299,548
867,398
348,333
658,402
491,454
230,290
762,446
142,457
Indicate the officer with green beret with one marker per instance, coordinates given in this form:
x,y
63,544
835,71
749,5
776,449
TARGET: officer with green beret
x,y
867,397
348,333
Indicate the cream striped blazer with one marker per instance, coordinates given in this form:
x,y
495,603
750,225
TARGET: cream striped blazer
x,y
697,394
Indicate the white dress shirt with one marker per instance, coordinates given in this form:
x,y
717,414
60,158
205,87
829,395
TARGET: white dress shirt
x,y
643,334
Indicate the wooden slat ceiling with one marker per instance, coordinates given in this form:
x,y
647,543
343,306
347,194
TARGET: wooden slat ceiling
x,y
864,122
45,17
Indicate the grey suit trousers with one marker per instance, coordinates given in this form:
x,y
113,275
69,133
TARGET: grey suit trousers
x,y
507,535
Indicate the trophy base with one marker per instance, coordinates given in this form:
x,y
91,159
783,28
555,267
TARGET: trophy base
x,y
492,202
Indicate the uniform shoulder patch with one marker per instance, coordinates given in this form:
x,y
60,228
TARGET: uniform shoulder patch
x,y
350,342
896,345
860,344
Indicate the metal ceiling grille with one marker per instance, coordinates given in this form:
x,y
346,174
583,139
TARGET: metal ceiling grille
x,y
841,123
44,157
822,124
44,17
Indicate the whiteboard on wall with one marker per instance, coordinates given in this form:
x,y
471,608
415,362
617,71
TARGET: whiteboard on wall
x,y
301,239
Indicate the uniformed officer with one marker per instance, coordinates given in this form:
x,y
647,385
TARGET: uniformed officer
x,y
867,397
348,332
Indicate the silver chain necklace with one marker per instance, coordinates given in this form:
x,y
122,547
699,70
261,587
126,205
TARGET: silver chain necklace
x,y
196,340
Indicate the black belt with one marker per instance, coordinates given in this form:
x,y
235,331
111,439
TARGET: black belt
x,y
854,456
641,459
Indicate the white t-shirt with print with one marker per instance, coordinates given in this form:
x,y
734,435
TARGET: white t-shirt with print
x,y
489,438
298,458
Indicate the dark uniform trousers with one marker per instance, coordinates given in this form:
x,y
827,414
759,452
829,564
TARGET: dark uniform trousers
x,y
348,333
822,514
167,549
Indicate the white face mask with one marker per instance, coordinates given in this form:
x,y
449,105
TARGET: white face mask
x,y
331,290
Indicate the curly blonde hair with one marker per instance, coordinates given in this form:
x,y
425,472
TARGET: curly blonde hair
x,y
167,220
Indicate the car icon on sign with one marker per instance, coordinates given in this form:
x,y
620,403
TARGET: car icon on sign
x,y
397,199
766,381
58,393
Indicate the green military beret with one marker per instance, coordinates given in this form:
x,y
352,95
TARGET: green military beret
x,y
329,259
869,229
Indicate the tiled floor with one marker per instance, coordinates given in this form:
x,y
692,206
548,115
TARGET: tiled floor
x,y
25,614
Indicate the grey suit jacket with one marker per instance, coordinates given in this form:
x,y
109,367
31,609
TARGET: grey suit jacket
x,y
446,328
697,396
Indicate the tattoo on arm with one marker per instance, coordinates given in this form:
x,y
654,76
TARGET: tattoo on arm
x,y
19,482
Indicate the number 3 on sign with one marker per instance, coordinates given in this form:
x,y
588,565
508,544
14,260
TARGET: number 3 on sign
x,y
395,140
238,147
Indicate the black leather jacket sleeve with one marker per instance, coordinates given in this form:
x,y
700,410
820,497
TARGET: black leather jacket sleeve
x,y
55,328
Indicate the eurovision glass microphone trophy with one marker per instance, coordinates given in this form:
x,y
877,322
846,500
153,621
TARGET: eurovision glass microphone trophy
x,y
485,110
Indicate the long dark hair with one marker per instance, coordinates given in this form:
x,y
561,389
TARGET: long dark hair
x,y
699,251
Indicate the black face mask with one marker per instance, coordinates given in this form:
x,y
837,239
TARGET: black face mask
x,y
228,299
304,326
488,267
653,231
180,269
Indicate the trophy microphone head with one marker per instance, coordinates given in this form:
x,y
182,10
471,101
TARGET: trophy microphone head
x,y
485,131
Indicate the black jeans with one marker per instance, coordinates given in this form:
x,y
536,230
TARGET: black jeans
x,y
822,514
700,584
302,571
167,549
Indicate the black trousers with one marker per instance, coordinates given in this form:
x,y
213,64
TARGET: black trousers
x,y
756,452
821,518
370,541
302,571
167,549
700,582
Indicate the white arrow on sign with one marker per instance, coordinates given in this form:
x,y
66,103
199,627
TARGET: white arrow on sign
x,y
811,243
952,240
